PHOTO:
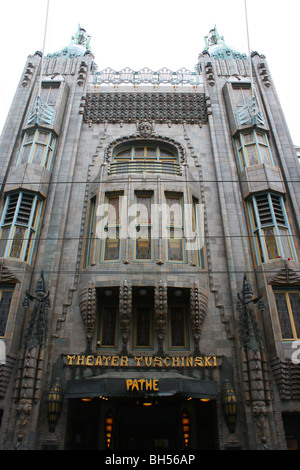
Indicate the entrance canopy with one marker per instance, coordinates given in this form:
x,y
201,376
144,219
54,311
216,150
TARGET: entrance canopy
x,y
133,386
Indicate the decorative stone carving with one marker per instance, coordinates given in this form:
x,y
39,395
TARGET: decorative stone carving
x,y
87,305
32,357
257,393
145,129
285,276
198,307
157,107
161,312
7,276
287,376
125,309
210,74
264,74
28,75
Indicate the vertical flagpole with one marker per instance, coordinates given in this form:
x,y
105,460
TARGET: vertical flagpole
x,y
249,50
43,50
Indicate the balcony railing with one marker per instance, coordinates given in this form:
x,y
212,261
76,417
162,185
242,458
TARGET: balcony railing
x,y
162,168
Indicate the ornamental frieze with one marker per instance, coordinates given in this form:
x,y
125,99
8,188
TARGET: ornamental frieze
x,y
158,107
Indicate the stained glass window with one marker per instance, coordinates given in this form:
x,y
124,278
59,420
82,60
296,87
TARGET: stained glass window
x,y
174,225
253,149
108,326
37,148
177,326
288,309
143,241
111,248
5,301
143,320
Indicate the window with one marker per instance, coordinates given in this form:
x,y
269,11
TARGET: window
x,y
143,220
196,230
143,302
178,300
270,228
247,106
49,93
174,228
19,226
111,239
5,301
91,232
242,95
38,148
143,321
253,149
146,159
288,310
108,301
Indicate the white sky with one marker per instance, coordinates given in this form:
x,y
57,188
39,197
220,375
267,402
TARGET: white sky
x,y
154,34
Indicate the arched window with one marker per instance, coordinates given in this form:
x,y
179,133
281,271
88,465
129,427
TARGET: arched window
x,y
145,158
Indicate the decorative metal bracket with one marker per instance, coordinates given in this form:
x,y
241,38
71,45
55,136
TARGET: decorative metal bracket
x,y
250,114
42,113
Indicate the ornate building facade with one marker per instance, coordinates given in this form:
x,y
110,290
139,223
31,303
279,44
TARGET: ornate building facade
x,y
149,257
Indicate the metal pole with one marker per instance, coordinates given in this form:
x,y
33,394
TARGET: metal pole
x,y
43,50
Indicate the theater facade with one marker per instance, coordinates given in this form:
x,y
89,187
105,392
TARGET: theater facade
x,y
149,244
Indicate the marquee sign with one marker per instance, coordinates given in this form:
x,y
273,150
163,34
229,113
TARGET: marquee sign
x,y
167,362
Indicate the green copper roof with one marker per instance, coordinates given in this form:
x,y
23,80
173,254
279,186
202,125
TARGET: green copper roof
x,y
217,47
78,45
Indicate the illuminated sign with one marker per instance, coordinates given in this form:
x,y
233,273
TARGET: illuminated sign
x,y
142,385
141,361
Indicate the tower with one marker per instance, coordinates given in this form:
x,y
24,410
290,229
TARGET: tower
x,y
149,256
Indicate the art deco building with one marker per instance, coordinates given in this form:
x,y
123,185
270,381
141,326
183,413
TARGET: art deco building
x,y
149,257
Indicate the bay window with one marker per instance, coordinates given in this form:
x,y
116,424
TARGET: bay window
x,y
37,148
288,310
270,228
19,226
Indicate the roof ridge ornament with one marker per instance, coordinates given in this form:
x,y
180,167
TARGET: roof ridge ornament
x,y
81,38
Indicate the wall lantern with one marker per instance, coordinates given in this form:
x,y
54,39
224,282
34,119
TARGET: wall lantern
x,y
55,400
109,421
186,428
229,405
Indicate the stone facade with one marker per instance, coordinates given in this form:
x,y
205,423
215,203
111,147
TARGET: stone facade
x,y
78,327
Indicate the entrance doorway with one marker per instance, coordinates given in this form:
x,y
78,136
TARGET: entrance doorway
x,y
139,427
148,427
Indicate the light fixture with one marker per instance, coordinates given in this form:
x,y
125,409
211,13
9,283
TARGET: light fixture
x,y
87,399
143,292
109,421
186,427
229,405
204,399
55,400
178,293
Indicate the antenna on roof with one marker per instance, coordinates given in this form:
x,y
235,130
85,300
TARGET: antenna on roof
x,y
249,50
43,49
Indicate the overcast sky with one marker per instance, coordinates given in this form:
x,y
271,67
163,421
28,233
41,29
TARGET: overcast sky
x,y
155,34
